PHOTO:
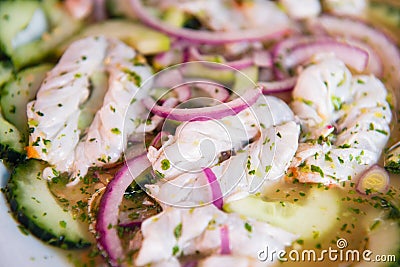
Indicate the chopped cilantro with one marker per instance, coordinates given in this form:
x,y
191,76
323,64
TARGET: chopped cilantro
x,y
315,168
178,231
165,164
248,227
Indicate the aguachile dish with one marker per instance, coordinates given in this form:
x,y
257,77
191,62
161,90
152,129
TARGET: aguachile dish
x,y
204,133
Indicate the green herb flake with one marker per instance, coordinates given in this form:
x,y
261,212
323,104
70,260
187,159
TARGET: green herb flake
x,y
248,227
23,229
116,131
133,76
175,250
165,164
328,158
381,131
159,174
268,168
178,231
336,102
344,146
315,168
63,224
359,81
307,102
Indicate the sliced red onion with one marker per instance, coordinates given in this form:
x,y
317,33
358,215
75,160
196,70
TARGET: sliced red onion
x,y
199,36
281,86
99,10
107,217
375,65
183,92
351,55
384,46
190,264
156,120
176,55
215,188
239,64
225,244
262,58
131,224
157,139
169,79
205,113
280,51
285,47
92,206
215,90
374,180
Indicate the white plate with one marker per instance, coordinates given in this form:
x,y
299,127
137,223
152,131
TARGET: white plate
x,y
19,250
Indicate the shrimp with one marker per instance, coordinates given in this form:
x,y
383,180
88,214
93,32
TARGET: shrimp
x,y
345,121
259,147
177,231
54,116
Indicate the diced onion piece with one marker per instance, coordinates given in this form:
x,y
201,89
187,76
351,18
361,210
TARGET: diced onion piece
x,y
373,180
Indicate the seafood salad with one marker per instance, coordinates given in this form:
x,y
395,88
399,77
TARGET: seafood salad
x,y
203,133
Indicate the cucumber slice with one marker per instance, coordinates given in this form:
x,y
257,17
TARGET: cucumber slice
x,y
6,72
11,144
14,17
61,26
316,215
35,207
206,71
245,79
142,38
18,92
384,240
119,8
174,17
